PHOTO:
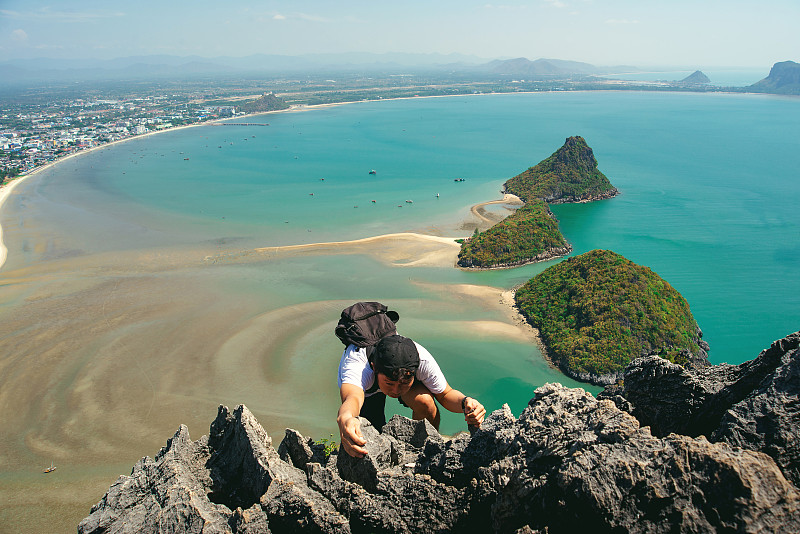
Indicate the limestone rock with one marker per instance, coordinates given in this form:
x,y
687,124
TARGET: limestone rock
x,y
753,405
568,463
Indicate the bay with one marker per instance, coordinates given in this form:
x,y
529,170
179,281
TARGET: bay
x,y
130,304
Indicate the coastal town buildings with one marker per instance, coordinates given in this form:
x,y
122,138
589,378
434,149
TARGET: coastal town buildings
x,y
33,135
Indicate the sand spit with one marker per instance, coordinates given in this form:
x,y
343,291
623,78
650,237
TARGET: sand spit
x,y
405,249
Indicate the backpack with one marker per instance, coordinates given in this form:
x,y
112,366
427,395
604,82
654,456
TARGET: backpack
x,y
364,324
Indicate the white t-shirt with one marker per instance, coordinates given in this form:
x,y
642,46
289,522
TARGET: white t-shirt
x,y
354,369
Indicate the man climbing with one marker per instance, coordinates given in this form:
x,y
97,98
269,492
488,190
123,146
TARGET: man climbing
x,y
399,368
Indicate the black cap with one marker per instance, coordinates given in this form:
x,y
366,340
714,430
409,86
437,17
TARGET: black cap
x,y
394,353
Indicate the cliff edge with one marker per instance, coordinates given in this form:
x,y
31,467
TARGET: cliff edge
x,y
569,460
783,79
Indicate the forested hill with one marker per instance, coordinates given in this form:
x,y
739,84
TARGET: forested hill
x,y
784,78
598,311
266,102
529,234
570,174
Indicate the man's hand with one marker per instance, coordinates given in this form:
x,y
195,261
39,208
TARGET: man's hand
x,y
349,426
474,412
352,440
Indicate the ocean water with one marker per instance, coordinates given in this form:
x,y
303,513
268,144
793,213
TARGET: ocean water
x,y
709,187
142,334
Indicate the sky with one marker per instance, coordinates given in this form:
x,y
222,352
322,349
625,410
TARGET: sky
x,y
681,33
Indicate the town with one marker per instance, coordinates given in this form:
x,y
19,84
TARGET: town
x,y
37,134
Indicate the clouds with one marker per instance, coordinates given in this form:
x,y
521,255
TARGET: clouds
x,y
19,35
67,16
595,31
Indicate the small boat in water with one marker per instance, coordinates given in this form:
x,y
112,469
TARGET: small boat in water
x,y
373,171
50,469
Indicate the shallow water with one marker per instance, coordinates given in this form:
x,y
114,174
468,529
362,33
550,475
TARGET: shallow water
x,y
116,326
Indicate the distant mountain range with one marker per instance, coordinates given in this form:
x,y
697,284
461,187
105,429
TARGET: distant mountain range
x,y
163,66
157,66
784,79
523,67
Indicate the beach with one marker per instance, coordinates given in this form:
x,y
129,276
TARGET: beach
x,y
109,352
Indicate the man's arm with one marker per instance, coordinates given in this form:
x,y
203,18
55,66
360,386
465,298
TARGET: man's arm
x,y
452,400
349,426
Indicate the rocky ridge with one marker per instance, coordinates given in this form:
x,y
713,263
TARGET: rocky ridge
x,y
569,460
784,78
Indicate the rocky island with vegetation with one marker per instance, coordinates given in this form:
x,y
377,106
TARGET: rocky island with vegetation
x,y
598,311
570,174
531,233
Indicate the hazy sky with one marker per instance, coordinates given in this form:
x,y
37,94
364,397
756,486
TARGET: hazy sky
x,y
692,33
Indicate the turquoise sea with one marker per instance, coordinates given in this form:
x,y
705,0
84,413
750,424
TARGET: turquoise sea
x,y
709,200
709,187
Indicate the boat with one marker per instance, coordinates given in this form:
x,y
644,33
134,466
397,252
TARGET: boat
x,y
373,171
50,469
458,179
409,201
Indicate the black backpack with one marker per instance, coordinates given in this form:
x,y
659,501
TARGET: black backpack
x,y
364,324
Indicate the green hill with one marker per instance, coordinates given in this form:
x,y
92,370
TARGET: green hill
x,y
598,311
784,79
529,234
266,102
570,174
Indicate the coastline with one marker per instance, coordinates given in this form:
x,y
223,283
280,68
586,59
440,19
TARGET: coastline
x,y
7,189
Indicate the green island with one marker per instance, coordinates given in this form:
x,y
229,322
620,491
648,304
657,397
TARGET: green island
x,y
531,233
570,174
598,311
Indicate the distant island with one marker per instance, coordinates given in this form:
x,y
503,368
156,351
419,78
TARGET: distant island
x,y
599,311
695,78
570,174
783,79
531,233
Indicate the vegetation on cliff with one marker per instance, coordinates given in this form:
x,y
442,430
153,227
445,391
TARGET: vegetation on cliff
x,y
570,174
528,234
598,311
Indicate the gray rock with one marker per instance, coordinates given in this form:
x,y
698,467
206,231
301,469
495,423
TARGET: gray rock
x,y
768,419
413,433
568,463
579,461
364,471
216,484
753,405
298,451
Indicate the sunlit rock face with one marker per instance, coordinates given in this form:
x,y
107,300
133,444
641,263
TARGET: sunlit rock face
x,y
569,460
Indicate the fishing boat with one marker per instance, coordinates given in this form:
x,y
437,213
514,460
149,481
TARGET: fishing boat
x,y
373,171
50,469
